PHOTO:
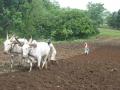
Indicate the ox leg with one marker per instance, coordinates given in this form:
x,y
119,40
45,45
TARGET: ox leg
x,y
39,61
45,62
22,61
11,61
46,65
30,66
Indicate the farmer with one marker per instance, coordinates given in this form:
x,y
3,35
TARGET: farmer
x,y
86,48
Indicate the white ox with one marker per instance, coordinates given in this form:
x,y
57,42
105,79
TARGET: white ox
x,y
38,51
11,47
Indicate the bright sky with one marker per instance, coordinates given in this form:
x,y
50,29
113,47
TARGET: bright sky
x,y
110,5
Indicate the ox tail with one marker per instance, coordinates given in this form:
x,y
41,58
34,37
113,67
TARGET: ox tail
x,y
52,52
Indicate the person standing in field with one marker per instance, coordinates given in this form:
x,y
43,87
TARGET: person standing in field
x,y
86,48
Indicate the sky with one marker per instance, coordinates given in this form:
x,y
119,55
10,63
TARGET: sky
x,y
110,5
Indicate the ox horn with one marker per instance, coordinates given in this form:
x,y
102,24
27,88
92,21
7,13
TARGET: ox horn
x,y
7,36
30,40
12,37
31,37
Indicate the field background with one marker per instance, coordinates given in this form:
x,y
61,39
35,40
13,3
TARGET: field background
x,y
100,70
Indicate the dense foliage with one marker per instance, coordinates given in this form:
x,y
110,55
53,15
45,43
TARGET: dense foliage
x,y
114,20
96,13
45,19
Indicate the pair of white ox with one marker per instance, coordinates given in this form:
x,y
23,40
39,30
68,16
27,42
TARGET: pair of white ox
x,y
33,51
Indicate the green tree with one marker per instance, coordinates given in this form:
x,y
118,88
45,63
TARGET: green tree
x,y
95,12
12,15
44,19
76,23
113,20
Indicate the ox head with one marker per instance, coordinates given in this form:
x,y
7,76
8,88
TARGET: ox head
x,y
27,47
8,44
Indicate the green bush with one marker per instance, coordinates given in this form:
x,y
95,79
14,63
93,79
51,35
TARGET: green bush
x,y
44,19
73,24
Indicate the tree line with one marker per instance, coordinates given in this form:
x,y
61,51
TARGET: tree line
x,y
113,20
45,19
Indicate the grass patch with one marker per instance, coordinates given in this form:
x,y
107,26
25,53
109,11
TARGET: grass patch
x,y
109,33
104,34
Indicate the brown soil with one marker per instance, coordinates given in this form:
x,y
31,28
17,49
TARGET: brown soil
x,y
100,70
